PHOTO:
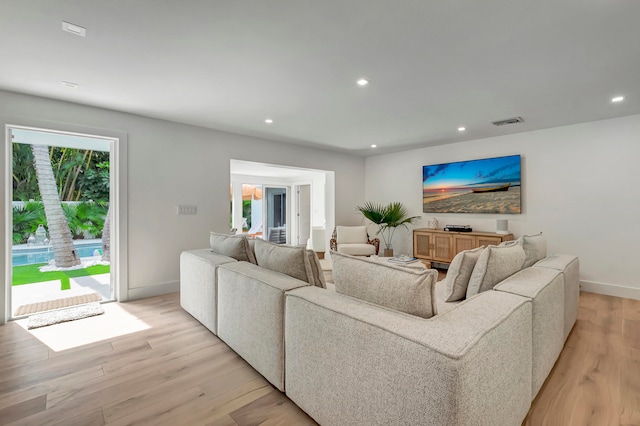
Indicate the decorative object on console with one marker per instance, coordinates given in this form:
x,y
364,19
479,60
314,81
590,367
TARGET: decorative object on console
x,y
490,185
502,226
458,228
432,223
388,218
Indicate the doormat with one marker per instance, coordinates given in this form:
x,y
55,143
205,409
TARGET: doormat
x,y
57,304
64,315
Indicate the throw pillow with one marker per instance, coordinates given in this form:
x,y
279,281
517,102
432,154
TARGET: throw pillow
x,y
494,265
535,248
289,260
394,287
234,246
459,274
316,269
351,234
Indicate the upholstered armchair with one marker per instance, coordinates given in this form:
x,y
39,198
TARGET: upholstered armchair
x,y
353,240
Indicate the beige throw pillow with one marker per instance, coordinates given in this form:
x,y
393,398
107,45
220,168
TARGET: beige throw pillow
x,y
394,287
289,260
535,248
459,274
494,265
316,269
234,246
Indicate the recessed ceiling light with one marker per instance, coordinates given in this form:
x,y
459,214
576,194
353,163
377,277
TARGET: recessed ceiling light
x,y
462,129
74,29
69,84
617,99
374,146
268,121
362,82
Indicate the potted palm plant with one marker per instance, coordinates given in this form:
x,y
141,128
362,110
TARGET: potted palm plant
x,y
388,218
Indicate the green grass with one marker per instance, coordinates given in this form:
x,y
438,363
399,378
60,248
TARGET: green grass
x,y
29,274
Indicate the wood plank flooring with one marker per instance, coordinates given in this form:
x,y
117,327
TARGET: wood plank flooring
x,y
173,371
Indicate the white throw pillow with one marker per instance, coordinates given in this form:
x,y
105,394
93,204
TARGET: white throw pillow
x,y
494,265
394,287
535,248
351,234
459,273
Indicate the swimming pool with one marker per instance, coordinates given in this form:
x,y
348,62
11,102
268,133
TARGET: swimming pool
x,y
25,255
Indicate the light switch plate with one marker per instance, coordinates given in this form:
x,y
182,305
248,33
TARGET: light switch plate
x,y
187,209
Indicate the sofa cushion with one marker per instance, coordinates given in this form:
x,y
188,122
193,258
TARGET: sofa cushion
x,y
289,260
535,248
235,246
394,287
316,269
351,234
357,249
494,265
459,274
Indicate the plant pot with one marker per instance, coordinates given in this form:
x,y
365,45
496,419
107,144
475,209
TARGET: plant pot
x,y
388,252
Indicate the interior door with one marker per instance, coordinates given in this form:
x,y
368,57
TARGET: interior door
x,y
304,214
275,213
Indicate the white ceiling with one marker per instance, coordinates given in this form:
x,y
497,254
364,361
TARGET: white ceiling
x,y
433,65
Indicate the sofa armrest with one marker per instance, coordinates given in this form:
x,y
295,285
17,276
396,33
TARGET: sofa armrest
x,y
352,362
569,266
251,315
198,285
545,288
333,244
376,243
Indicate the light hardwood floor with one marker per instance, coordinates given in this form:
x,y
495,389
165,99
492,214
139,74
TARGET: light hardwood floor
x,y
148,362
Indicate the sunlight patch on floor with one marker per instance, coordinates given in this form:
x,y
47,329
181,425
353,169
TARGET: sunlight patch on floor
x,y
115,322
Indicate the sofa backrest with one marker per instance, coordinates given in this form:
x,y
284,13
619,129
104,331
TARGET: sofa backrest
x,y
349,361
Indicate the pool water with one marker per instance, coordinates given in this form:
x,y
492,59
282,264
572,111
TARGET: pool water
x,y
30,255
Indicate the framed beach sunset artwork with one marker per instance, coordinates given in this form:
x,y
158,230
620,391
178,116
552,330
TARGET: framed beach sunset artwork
x,y
490,185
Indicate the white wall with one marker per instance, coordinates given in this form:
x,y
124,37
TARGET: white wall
x,y
579,186
171,164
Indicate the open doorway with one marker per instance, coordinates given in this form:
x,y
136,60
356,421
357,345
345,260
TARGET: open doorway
x,y
61,220
295,205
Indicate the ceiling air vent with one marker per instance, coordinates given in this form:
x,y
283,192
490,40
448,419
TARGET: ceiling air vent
x,y
513,120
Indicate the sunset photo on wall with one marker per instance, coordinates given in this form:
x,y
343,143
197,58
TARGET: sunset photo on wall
x,y
490,185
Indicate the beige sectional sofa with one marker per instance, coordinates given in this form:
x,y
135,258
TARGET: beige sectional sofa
x,y
347,361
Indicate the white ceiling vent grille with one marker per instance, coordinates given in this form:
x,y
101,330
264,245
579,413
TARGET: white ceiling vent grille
x,y
513,120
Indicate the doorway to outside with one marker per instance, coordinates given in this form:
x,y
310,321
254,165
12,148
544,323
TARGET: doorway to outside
x,y
61,220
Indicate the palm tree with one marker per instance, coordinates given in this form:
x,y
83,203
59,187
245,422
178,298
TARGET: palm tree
x,y
106,237
64,252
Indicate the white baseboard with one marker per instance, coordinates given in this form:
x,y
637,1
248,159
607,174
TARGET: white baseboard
x,y
610,289
153,290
